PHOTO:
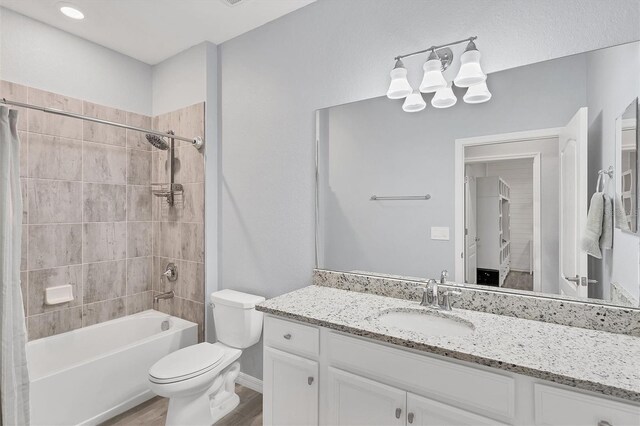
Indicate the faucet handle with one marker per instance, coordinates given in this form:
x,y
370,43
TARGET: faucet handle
x,y
443,276
446,302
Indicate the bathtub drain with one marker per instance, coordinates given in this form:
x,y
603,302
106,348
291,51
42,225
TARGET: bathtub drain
x,y
165,325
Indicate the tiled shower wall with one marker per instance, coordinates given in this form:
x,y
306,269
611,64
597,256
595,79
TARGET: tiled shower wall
x,y
88,216
178,231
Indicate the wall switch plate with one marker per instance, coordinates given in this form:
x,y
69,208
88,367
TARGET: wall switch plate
x,y
440,233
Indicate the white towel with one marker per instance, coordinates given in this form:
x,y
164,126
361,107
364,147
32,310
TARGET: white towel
x,y
620,215
606,239
593,229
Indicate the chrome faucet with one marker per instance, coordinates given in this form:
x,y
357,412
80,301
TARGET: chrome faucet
x,y
162,296
432,297
443,276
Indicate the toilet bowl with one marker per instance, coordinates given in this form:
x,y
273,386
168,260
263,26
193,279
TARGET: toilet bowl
x,y
199,380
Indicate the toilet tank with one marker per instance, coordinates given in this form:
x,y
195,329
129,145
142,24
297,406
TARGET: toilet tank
x,y
237,322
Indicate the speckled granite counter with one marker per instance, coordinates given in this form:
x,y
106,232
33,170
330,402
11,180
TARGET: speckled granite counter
x,y
592,360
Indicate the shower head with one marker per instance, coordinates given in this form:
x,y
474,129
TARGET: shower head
x,y
158,142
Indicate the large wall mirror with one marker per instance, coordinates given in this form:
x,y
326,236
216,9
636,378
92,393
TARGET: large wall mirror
x,y
522,193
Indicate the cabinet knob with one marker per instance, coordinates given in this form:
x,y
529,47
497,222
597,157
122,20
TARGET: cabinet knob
x,y
604,423
310,381
287,336
398,412
410,417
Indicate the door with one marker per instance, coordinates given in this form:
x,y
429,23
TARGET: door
x,y
573,278
290,389
426,412
354,400
470,231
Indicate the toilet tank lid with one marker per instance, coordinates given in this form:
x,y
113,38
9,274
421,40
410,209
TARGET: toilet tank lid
x,y
236,299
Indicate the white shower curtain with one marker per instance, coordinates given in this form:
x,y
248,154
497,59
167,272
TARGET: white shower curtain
x,y
14,377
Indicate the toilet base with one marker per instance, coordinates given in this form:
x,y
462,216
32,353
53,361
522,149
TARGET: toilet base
x,y
210,405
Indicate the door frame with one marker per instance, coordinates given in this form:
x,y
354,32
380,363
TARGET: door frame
x,y
460,145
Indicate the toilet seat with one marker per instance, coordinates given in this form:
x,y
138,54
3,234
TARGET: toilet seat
x,y
187,363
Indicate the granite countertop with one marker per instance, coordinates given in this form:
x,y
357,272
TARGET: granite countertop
x,y
592,360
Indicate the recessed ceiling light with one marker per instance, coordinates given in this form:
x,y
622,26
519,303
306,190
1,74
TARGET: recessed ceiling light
x,y
71,11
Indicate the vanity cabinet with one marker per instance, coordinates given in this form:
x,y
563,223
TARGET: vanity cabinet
x,y
314,375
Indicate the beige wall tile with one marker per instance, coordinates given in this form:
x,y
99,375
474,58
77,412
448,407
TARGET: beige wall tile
x,y
52,157
104,280
54,201
96,132
104,164
18,93
159,266
139,203
166,240
139,275
54,245
54,322
104,202
191,311
42,279
139,239
51,124
137,140
24,191
24,248
192,237
190,283
190,165
94,313
139,302
193,203
104,241
138,167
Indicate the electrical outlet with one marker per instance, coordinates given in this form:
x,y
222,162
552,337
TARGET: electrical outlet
x,y
440,233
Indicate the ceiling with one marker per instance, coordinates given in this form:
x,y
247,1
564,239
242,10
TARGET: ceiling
x,y
154,30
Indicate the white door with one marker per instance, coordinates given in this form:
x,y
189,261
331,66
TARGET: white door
x,y
470,231
426,412
354,401
573,206
290,389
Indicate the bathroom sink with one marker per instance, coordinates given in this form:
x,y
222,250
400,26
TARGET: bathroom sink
x,y
424,322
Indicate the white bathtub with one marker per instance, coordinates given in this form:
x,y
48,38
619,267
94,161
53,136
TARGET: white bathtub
x,y
89,375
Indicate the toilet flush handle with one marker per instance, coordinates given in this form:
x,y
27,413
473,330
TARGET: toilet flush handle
x,y
287,336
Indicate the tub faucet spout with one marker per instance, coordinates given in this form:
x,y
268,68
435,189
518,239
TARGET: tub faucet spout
x,y
161,296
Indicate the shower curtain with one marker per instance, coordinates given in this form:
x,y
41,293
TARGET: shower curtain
x,y
14,377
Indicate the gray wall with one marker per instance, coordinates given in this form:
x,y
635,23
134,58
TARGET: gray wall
x,y
613,84
374,147
332,52
40,56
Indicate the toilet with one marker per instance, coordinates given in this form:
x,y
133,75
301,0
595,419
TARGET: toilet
x,y
199,380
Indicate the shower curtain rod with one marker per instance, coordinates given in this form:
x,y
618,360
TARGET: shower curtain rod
x,y
196,141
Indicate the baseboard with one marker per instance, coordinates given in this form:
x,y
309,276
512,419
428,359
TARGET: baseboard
x,y
249,382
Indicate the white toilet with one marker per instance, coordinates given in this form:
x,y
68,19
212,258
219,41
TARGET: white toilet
x,y
199,380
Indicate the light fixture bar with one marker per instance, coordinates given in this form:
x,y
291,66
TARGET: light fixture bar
x,y
436,47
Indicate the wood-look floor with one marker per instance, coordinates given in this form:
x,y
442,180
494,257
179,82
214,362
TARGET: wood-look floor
x,y
154,412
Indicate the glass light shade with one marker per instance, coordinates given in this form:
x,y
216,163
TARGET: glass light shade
x,y
444,98
477,94
71,11
470,71
414,102
399,87
433,79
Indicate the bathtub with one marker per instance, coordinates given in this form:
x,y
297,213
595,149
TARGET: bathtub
x,y
89,375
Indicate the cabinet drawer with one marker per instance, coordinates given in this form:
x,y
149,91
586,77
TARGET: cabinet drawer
x,y
555,406
291,336
465,387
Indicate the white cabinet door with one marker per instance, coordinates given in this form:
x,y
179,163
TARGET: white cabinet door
x,y
426,412
290,389
354,400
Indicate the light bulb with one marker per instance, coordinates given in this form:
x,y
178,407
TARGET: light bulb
x,y
70,11
399,87
433,79
444,98
470,71
414,102
477,93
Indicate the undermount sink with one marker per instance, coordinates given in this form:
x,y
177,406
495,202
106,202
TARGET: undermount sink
x,y
425,322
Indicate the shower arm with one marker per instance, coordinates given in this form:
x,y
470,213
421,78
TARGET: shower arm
x,y
197,141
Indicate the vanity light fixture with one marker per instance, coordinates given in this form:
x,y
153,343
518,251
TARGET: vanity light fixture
x,y
414,102
70,11
477,94
399,87
444,98
440,57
